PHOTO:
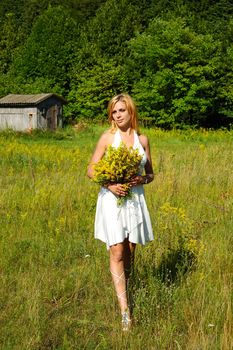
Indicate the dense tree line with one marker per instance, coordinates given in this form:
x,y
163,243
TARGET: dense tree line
x,y
174,57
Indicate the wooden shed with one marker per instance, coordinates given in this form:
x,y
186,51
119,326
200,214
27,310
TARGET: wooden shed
x,y
27,112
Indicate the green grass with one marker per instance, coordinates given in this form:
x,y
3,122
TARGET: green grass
x,y
56,290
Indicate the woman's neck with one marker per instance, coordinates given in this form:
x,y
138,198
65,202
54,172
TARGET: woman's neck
x,y
126,131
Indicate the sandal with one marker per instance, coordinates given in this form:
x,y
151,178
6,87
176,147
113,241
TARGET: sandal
x,y
126,321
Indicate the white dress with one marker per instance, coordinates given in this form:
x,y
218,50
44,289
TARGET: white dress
x,y
113,224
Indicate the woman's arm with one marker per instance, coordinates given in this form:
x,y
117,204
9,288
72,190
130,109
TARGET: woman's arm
x,y
149,174
148,167
98,153
104,141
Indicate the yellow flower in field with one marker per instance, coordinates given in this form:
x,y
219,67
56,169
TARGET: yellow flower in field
x,y
166,207
181,213
201,276
192,245
50,224
202,147
195,246
24,215
62,221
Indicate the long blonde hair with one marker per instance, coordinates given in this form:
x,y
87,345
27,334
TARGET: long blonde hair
x,y
130,106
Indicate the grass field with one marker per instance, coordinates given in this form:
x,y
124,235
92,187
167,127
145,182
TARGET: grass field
x,y
56,290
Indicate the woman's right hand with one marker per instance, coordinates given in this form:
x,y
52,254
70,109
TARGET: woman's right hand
x,y
117,189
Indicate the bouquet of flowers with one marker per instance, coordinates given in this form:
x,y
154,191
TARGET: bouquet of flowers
x,y
119,165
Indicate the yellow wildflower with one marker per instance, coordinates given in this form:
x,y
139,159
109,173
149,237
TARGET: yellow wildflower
x,y
119,165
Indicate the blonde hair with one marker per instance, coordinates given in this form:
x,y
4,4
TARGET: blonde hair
x,y
130,106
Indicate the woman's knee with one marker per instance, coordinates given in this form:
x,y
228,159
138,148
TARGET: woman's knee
x,y
117,253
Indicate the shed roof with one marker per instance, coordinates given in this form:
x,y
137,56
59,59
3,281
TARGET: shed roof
x,y
32,100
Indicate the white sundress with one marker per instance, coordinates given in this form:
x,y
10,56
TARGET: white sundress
x,y
113,224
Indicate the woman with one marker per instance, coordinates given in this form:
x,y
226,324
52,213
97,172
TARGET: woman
x,y
122,228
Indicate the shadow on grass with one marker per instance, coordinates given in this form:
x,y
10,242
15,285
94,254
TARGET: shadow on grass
x,y
156,283
174,266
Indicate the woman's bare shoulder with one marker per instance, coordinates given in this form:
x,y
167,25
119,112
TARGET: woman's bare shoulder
x,y
106,138
143,140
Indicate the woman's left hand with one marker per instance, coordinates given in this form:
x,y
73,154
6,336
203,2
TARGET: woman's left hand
x,y
137,180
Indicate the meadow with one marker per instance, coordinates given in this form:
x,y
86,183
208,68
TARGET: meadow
x,y
56,290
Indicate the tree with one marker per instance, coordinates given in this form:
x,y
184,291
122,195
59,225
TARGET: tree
x,y
49,50
10,39
97,73
177,74
93,88
106,34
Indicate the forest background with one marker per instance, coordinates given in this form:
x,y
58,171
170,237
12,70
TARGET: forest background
x,y
174,57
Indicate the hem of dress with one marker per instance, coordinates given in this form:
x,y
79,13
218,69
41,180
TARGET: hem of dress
x,y
108,246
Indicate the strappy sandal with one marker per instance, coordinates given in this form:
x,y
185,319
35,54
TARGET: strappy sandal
x,y
126,320
120,278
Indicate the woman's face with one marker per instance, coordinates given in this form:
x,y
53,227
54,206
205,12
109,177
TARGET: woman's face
x,y
120,115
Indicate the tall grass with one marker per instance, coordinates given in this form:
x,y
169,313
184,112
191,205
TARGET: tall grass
x,y
56,290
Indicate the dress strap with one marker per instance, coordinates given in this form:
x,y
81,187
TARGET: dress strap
x,y
116,139
137,143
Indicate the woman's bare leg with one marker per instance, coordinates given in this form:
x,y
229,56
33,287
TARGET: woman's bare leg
x,y
118,274
121,265
129,269
120,256
129,253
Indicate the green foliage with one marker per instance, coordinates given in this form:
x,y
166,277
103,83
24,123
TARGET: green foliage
x,y
172,71
92,89
115,23
27,11
28,86
179,71
106,34
98,72
11,37
49,49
